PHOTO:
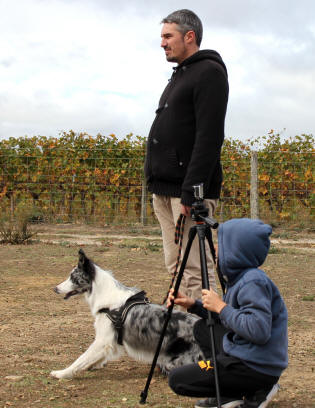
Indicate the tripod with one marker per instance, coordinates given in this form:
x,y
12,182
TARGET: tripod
x,y
204,223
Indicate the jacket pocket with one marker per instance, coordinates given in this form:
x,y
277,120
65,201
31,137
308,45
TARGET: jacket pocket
x,y
166,163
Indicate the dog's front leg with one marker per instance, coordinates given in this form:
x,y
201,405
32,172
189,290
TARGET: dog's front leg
x,y
102,348
91,356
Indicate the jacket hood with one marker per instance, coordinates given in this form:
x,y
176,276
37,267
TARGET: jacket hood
x,y
201,55
242,244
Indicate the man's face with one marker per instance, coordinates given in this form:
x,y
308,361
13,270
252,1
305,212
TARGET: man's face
x,y
173,43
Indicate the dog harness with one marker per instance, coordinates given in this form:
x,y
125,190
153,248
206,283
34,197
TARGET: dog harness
x,y
118,316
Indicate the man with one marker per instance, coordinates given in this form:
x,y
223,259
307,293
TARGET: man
x,y
185,140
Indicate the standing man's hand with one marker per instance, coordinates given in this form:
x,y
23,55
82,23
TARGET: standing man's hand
x,y
185,210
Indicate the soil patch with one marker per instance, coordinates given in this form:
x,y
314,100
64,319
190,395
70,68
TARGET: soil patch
x,y
41,332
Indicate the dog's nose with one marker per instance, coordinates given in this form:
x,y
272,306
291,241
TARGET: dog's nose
x,y
56,290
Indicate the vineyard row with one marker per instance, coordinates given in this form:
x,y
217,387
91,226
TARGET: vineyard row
x,y
77,177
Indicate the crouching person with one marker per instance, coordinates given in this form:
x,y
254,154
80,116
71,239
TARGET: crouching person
x,y
250,330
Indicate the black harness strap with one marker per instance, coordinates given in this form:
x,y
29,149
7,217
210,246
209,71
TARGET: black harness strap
x,y
118,316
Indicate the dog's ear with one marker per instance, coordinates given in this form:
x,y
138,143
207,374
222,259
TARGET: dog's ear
x,y
82,255
83,260
85,263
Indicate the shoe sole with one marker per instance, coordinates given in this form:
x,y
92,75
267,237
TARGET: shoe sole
x,y
270,396
232,404
238,404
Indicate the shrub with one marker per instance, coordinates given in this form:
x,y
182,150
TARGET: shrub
x,y
16,230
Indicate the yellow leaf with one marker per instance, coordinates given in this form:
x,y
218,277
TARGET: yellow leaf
x,y
264,177
308,174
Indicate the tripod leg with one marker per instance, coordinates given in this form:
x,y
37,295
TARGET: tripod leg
x,y
210,242
208,234
191,236
201,230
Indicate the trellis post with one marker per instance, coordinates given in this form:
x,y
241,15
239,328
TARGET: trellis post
x,y
144,199
254,198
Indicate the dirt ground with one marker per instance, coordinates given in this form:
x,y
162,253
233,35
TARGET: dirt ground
x,y
40,331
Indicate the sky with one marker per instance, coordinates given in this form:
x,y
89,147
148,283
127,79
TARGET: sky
x,y
96,66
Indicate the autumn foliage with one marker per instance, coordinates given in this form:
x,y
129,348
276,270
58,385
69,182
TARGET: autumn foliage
x,y
77,177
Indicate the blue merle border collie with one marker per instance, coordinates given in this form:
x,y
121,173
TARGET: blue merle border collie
x,y
141,327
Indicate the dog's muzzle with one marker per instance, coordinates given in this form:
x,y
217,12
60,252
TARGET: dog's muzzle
x,y
67,295
71,293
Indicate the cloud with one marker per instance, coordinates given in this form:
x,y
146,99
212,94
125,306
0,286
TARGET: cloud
x,y
97,66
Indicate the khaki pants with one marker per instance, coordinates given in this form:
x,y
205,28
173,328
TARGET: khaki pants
x,y
167,210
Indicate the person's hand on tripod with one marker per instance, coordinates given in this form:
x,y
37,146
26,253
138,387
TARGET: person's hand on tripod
x,y
181,299
212,301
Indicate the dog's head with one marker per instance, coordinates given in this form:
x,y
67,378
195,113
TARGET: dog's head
x,y
80,279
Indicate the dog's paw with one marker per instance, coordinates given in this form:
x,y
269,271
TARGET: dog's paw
x,y
61,374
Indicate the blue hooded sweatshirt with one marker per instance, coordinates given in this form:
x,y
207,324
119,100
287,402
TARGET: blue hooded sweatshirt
x,y
255,313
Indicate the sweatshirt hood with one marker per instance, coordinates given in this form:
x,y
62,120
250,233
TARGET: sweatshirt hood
x,y
242,244
202,55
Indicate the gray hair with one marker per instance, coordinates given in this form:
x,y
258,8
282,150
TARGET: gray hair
x,y
186,20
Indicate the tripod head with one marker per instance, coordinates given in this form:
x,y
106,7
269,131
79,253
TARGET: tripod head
x,y
199,212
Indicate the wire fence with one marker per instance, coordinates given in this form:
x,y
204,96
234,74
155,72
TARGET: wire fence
x,y
107,186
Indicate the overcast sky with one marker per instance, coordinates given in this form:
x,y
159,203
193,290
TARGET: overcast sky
x,y
97,66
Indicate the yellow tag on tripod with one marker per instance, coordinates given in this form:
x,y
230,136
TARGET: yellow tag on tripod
x,y
205,365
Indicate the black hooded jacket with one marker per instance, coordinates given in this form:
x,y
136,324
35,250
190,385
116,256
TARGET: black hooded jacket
x,y
185,139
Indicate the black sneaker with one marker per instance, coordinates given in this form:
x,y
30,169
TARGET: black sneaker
x,y
225,403
261,399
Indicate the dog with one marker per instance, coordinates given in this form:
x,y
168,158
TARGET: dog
x,y
141,329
